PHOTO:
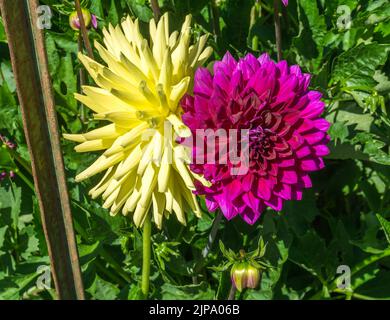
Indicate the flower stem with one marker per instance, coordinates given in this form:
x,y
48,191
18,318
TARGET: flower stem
x,y
146,247
212,235
83,29
82,78
215,19
25,179
278,30
156,9
232,293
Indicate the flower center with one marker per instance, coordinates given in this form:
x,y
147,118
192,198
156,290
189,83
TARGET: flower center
x,y
261,143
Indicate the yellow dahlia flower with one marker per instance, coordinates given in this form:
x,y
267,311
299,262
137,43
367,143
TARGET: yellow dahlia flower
x,y
140,89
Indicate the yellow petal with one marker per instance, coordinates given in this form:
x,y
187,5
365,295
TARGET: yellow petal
x,y
129,163
180,128
178,91
74,137
101,164
103,184
94,145
158,200
165,168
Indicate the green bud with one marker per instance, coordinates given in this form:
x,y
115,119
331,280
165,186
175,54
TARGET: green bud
x,y
238,275
244,275
253,277
74,19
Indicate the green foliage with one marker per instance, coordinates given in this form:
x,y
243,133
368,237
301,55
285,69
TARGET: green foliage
x,y
342,220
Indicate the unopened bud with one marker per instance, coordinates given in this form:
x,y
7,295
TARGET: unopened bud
x,y
253,277
88,19
238,275
3,175
244,275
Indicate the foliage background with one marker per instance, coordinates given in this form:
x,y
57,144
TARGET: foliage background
x,y
340,221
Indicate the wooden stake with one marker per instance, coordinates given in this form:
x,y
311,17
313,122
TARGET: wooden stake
x,y
29,64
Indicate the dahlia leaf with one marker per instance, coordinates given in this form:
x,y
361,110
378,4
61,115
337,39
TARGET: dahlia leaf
x,y
356,67
385,226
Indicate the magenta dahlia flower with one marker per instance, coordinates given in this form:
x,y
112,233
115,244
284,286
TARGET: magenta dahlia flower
x,y
285,2
285,136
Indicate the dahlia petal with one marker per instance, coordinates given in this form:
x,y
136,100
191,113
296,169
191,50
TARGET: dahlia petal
x,y
251,216
230,62
211,205
203,83
222,81
251,201
275,203
283,67
306,181
312,164
289,176
296,70
314,137
303,151
284,191
286,163
247,182
322,124
264,58
226,206
296,140
297,195
264,189
313,109
321,150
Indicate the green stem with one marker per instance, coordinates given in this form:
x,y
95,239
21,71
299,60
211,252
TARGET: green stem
x,y
146,247
105,270
25,179
232,293
111,261
212,235
278,30
371,259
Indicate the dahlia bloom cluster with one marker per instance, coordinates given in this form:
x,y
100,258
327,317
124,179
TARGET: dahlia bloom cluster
x,y
139,93
285,138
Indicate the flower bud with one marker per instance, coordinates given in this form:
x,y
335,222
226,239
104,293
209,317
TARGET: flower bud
x,y
3,175
88,19
238,275
244,275
253,277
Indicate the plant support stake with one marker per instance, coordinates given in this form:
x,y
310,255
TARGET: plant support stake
x,y
29,64
83,30
278,30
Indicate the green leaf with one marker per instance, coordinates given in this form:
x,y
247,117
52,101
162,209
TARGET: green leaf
x,y
6,71
357,66
200,291
103,290
385,226
88,253
3,36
